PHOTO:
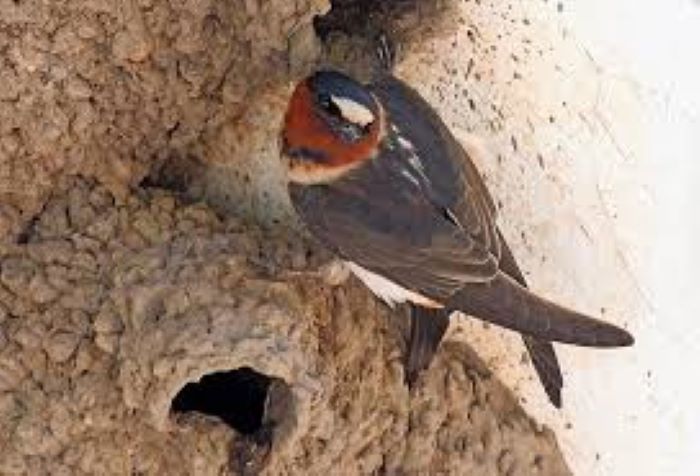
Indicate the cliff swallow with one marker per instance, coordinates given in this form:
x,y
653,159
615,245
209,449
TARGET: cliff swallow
x,y
380,180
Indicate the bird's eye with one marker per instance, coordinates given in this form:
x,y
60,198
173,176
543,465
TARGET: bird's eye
x,y
324,100
329,106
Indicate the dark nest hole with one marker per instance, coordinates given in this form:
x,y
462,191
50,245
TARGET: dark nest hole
x,y
371,17
178,174
236,397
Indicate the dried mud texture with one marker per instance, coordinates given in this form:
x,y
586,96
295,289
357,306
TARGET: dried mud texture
x,y
109,310
130,134
107,89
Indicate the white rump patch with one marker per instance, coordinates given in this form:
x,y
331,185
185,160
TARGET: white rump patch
x,y
388,291
353,112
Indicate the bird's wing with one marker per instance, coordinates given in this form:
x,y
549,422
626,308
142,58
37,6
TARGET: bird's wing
x,y
416,118
454,181
418,213
396,232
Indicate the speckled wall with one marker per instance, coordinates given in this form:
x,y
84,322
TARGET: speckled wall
x,y
591,113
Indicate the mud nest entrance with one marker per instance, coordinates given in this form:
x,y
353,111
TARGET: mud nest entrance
x,y
237,397
370,17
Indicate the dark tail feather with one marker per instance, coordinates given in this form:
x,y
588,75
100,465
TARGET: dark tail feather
x,y
542,354
547,366
504,302
427,329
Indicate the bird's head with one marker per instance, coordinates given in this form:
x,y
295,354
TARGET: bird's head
x,y
333,124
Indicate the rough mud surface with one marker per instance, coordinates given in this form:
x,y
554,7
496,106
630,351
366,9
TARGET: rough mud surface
x,y
114,296
107,89
110,309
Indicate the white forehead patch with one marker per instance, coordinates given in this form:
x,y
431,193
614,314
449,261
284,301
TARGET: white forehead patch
x,y
353,112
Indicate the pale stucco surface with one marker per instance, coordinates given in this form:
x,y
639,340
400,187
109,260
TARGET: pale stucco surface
x,y
592,112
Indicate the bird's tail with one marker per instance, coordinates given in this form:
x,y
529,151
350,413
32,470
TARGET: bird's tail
x,y
542,353
427,327
544,360
504,302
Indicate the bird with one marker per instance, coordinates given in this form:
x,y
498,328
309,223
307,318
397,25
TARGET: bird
x,y
379,179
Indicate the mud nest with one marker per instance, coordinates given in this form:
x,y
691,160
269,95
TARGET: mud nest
x,y
141,283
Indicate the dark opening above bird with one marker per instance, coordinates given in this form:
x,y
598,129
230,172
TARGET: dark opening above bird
x,y
379,179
